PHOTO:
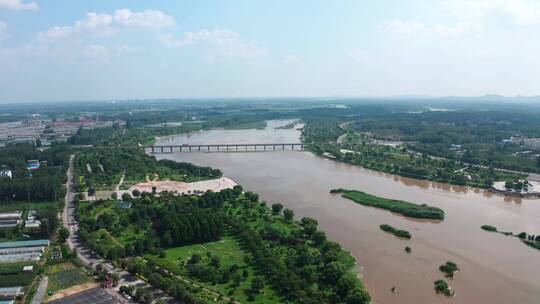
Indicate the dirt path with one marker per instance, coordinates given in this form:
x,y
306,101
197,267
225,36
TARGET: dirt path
x,y
117,189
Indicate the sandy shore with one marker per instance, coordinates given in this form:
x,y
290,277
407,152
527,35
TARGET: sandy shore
x,y
215,185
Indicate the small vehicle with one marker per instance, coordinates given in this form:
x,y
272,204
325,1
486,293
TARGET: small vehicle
x,y
126,296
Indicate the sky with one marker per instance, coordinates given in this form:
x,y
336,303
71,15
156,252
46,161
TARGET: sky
x,y
69,50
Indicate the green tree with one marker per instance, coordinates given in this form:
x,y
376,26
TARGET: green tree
x,y
334,271
215,262
358,297
345,286
195,258
288,214
276,208
63,233
257,284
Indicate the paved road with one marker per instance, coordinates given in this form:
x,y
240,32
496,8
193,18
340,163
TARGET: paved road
x,y
88,256
41,291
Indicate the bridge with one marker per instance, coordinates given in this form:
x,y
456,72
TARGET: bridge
x,y
226,147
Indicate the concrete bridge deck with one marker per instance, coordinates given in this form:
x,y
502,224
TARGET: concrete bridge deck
x,y
225,147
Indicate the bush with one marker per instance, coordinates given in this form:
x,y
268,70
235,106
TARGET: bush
x,y
489,228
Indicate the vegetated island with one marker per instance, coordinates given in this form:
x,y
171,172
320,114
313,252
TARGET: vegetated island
x,y
528,239
397,232
404,208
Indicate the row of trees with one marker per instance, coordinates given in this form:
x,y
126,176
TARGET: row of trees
x,y
165,281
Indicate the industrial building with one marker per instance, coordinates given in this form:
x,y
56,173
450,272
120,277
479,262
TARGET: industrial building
x,y
22,251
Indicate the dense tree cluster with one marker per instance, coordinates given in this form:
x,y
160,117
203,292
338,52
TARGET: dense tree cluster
x,y
468,136
310,268
43,184
162,222
103,166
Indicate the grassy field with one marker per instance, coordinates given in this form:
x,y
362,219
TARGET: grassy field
x,y
18,206
12,275
65,275
229,253
401,207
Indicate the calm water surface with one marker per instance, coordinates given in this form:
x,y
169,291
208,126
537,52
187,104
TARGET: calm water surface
x,y
494,268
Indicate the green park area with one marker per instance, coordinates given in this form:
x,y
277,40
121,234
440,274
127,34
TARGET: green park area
x,y
226,245
219,265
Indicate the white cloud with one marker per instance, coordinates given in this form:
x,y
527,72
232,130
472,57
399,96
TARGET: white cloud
x,y
108,24
293,60
358,55
147,18
517,12
56,32
3,34
18,5
124,48
219,42
406,28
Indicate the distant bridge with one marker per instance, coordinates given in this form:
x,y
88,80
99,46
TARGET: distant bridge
x,y
226,147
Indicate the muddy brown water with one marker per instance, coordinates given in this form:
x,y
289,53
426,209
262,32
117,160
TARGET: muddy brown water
x,y
494,268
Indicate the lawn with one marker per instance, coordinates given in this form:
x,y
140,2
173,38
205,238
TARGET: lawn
x,y
230,253
65,275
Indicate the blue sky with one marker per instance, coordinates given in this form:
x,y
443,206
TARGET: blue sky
x,y
108,49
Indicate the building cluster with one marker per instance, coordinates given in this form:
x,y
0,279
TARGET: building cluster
x,y
46,131
14,218
533,143
20,252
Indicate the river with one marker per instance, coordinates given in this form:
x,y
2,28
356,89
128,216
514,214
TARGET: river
x,y
493,268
